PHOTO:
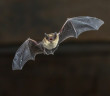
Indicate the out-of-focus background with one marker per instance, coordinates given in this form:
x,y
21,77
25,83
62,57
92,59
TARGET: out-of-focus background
x,y
80,67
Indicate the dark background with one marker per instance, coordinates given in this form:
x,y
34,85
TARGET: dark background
x,y
80,67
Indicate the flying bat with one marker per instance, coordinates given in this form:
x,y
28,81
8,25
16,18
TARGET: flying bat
x,y
73,27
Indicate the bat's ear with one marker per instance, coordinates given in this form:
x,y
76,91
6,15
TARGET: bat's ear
x,y
55,33
46,36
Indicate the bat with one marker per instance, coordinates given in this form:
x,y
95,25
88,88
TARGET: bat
x,y
73,27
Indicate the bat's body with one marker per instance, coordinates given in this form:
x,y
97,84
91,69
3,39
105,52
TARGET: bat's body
x,y
51,44
73,27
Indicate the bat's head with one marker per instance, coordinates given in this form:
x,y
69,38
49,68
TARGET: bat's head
x,y
51,40
51,37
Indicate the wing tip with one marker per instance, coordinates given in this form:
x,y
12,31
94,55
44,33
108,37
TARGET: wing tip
x,y
101,22
16,67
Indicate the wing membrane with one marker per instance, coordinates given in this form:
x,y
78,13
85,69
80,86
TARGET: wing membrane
x,y
73,27
27,51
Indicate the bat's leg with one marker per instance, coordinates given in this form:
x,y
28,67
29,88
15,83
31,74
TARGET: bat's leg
x,y
51,52
48,52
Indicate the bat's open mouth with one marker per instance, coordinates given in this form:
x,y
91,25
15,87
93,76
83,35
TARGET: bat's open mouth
x,y
50,39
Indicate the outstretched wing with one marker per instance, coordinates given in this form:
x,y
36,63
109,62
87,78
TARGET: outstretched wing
x,y
73,27
27,51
